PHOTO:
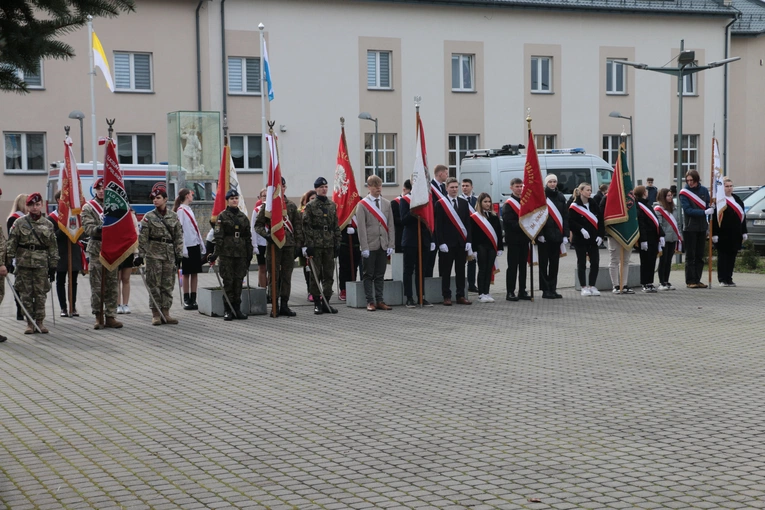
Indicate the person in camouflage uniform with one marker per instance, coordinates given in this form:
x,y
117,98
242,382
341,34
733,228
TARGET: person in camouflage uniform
x,y
161,245
233,244
3,268
284,256
32,242
92,218
322,242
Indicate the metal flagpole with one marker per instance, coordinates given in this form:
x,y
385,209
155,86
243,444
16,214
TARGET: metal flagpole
x,y
263,92
92,73
713,189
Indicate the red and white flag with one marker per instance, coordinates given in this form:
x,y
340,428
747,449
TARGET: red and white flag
x,y
275,205
227,179
421,203
71,201
345,194
718,185
533,212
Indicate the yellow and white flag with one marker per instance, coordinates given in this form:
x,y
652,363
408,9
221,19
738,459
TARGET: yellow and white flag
x,y
100,61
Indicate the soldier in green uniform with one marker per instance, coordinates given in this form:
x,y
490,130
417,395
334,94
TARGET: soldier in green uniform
x,y
92,218
284,256
322,242
3,268
32,242
233,244
161,245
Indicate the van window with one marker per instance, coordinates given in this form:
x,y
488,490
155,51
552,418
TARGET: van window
x,y
604,177
570,178
138,191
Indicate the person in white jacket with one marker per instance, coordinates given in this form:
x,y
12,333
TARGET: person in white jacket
x,y
259,242
193,247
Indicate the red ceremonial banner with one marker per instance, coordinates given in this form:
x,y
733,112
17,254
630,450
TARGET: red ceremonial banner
x,y
71,201
345,194
223,184
422,204
275,205
533,212
118,236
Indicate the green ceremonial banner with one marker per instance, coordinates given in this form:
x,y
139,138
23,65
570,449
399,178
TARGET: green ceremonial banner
x,y
620,214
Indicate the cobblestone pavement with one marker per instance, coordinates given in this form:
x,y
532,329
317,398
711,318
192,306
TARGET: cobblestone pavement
x,y
644,401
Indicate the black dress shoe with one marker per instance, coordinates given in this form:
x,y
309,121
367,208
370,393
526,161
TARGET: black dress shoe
x,y
548,295
241,316
524,296
64,313
557,296
328,308
511,296
228,316
473,289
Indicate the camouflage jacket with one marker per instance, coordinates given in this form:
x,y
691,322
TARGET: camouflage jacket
x,y
160,239
3,245
320,228
292,238
92,221
233,236
33,243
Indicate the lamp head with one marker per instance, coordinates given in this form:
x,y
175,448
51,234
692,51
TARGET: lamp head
x,y
76,114
686,57
365,116
261,26
615,115
718,63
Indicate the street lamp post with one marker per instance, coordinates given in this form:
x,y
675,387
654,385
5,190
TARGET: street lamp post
x,y
77,114
618,115
366,116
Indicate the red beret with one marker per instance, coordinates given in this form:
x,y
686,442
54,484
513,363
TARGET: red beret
x,y
34,198
99,183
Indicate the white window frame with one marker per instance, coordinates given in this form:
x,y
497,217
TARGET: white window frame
x,y
376,85
689,153
461,78
613,70
245,149
24,157
691,84
132,88
458,151
610,150
384,149
41,86
244,91
548,143
134,149
540,60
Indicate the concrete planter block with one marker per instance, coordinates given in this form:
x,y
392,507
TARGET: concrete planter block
x,y
604,280
210,301
397,267
432,289
393,294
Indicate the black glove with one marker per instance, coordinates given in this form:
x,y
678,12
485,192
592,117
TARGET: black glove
x,y
178,261
52,274
211,258
138,261
309,251
98,231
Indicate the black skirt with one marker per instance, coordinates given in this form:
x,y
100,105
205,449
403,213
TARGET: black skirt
x,y
193,263
128,262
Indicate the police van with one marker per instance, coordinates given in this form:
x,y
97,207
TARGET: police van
x,y
491,170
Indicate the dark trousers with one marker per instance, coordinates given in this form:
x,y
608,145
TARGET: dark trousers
x,y
665,262
374,275
517,259
726,260
456,256
471,269
61,289
411,272
648,263
587,248
486,257
694,255
285,263
347,272
549,260
429,262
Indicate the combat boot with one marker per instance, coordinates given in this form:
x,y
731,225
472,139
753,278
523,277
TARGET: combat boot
x,y
111,322
284,309
317,306
238,312
228,315
168,319
156,320
30,328
328,308
99,321
41,327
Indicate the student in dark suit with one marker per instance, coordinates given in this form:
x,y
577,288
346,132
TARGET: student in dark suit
x,y
472,199
554,232
409,238
517,244
395,206
453,237
440,174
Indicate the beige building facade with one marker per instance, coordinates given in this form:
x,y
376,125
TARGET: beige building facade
x,y
477,68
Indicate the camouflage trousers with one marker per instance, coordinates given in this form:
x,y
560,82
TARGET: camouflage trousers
x,y
324,262
232,272
111,288
285,263
32,285
160,278
2,288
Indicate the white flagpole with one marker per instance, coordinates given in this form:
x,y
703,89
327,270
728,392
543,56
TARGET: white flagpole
x,y
92,73
263,92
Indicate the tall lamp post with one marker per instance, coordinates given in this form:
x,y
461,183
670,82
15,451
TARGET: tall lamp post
x,y
366,116
618,115
77,114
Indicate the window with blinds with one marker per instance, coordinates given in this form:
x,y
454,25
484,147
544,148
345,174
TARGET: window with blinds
x,y
135,149
25,151
244,75
378,69
246,152
132,72
34,79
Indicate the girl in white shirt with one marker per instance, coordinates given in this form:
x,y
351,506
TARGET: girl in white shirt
x,y
193,247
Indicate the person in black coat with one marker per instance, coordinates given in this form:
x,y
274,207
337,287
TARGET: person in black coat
x,y
62,269
517,243
453,243
347,271
728,235
587,231
409,242
487,246
472,200
651,238
395,208
553,233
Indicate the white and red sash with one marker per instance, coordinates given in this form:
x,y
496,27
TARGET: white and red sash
x,y
374,211
193,222
397,199
516,205
451,212
554,213
17,214
54,216
407,198
648,212
693,197
95,205
436,189
736,208
670,218
486,227
586,213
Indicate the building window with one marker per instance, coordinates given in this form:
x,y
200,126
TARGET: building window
x,y
462,73
34,80
247,152
544,143
135,149
611,147
541,74
244,75
25,151
459,145
378,70
689,84
690,152
616,78
386,157
132,72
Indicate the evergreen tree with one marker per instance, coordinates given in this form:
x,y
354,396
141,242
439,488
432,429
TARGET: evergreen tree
x,y
29,30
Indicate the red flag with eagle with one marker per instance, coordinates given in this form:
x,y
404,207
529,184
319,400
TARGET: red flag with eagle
x,y
71,201
275,205
119,238
345,194
533,212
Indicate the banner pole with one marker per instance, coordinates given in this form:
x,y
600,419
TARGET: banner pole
x,y
713,187
531,269
92,74
419,263
274,311
69,274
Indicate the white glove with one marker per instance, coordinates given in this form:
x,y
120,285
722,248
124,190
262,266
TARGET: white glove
x,y
585,234
541,239
499,253
709,211
744,237
644,246
714,239
365,254
389,251
565,240
662,242
351,230
598,240
432,246
305,252
185,253
469,248
444,248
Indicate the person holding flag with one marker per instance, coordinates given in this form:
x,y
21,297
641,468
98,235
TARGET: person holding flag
x,y
415,239
695,200
552,238
322,243
729,234
377,240
454,239
517,244
345,195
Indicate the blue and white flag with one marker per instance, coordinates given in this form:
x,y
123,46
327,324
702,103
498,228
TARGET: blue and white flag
x,y
267,71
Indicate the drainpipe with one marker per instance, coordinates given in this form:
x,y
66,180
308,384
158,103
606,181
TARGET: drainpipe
x,y
224,64
725,94
199,61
